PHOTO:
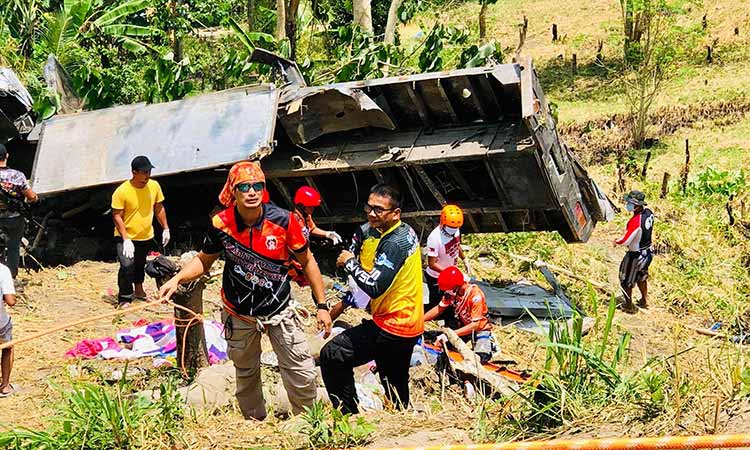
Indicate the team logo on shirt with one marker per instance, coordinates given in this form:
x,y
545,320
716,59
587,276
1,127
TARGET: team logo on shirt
x,y
382,260
271,242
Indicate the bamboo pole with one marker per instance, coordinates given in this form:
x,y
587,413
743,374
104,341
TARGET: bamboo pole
x,y
76,323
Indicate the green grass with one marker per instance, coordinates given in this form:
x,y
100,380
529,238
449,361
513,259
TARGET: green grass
x,y
594,91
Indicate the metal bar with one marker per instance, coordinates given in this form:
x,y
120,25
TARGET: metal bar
x,y
487,94
447,100
527,89
409,215
469,86
472,222
284,192
419,104
501,221
497,183
323,205
461,180
430,185
413,191
378,175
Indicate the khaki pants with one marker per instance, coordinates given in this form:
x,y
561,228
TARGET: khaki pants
x,y
295,364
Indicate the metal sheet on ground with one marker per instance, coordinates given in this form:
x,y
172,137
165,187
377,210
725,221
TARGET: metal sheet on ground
x,y
212,130
518,299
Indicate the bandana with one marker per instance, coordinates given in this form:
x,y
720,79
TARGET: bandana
x,y
242,172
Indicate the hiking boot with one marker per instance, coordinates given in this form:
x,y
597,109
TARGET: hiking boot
x,y
628,307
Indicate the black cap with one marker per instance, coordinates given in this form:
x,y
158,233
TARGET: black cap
x,y
141,164
3,152
637,198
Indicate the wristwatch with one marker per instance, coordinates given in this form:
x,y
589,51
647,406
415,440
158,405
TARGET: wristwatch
x,y
322,306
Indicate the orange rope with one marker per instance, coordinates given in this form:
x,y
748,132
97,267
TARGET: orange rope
x,y
196,317
657,443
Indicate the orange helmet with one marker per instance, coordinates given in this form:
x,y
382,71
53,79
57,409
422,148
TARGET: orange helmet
x,y
452,216
450,278
307,196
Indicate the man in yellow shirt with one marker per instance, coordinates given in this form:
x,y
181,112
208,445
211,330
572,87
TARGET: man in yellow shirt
x,y
133,206
385,263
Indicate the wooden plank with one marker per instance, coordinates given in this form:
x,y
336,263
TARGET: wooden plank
x,y
461,180
430,184
323,205
412,189
284,192
416,99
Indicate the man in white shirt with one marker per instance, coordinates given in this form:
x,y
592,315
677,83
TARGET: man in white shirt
x,y
444,250
8,293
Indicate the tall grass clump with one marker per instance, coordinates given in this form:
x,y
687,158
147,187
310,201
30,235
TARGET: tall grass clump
x,y
577,376
326,427
106,417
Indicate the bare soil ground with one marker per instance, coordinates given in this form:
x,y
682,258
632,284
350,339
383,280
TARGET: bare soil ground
x,y
438,416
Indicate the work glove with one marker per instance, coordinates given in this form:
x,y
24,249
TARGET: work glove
x,y
442,339
467,265
128,249
165,237
334,237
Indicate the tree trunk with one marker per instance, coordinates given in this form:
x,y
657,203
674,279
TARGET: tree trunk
x,y
483,22
191,349
176,39
250,15
363,14
280,20
291,27
665,185
390,26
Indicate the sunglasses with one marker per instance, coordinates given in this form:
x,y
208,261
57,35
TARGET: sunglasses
x,y
245,187
376,209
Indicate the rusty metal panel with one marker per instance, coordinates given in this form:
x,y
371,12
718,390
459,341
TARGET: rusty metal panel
x,y
212,130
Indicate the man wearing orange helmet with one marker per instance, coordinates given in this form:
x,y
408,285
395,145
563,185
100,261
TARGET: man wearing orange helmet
x,y
470,308
444,250
306,199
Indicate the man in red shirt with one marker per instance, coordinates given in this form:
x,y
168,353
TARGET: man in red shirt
x,y
257,241
637,238
470,308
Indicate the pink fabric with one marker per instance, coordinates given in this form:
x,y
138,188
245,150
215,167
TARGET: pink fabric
x,y
90,348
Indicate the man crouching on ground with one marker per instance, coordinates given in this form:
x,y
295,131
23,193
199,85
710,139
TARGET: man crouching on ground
x,y
389,271
256,240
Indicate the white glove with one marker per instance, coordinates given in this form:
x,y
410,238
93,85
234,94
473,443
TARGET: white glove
x,y
467,264
128,249
441,339
165,237
334,237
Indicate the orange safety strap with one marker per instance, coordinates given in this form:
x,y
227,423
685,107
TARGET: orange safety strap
x,y
647,443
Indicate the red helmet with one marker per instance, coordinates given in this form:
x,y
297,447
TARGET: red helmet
x,y
266,198
450,278
307,196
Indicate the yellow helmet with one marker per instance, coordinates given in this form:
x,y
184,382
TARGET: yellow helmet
x,y
452,216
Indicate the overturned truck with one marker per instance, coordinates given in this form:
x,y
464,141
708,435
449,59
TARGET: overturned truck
x,y
482,138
